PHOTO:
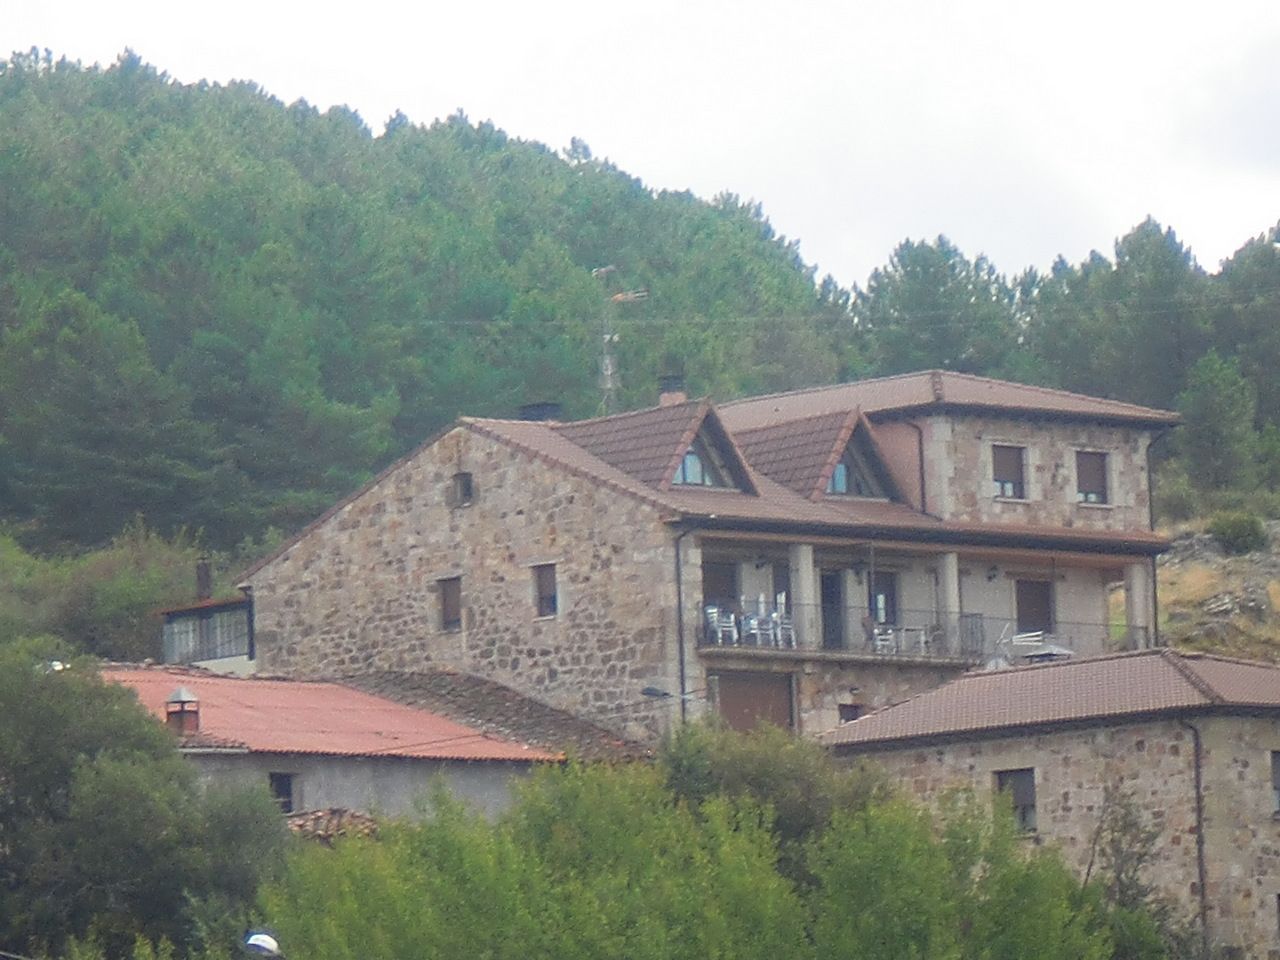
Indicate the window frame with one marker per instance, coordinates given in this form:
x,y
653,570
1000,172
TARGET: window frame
x,y
1103,497
1009,488
1019,782
283,787
546,603
449,590
462,489
1275,784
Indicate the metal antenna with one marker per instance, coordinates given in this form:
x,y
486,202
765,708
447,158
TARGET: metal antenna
x,y
608,364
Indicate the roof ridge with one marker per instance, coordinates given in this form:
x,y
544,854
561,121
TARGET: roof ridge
x,y
1184,670
1040,388
692,401
822,388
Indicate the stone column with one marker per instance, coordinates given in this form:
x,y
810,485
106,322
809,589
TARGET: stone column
x,y
804,596
855,608
949,599
1139,603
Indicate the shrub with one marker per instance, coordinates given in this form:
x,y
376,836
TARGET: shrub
x,y
1238,532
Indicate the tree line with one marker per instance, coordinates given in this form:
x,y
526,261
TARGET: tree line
x,y
220,312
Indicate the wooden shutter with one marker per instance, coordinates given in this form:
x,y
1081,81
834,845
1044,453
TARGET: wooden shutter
x,y
1034,599
1091,476
1006,464
749,699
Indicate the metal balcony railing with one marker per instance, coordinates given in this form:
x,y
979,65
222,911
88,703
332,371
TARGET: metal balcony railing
x,y
927,634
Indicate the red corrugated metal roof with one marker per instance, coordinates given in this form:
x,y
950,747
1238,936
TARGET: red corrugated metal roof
x,y
1071,691
294,716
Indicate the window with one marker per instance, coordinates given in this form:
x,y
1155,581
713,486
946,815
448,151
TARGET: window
x,y
450,603
281,786
1091,477
852,477
698,468
463,490
1033,605
883,597
1275,782
544,589
1006,471
1020,785
849,712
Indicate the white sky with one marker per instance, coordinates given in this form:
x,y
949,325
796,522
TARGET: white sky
x,y
1019,129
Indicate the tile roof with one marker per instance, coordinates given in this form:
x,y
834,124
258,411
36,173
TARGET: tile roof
x,y
644,444
296,716
1070,691
930,388
498,710
795,454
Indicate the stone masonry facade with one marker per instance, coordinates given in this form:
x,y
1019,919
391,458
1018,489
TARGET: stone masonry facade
x,y
959,466
361,591
1154,761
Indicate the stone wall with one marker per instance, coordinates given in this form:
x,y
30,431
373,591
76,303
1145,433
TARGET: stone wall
x,y
959,472
361,590
1153,760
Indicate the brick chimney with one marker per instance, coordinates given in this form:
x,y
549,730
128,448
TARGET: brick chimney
x,y
671,390
182,712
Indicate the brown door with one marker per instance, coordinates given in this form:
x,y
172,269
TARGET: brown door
x,y
749,699
1035,605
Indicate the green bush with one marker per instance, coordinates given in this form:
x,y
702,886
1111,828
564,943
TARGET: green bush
x,y
1238,532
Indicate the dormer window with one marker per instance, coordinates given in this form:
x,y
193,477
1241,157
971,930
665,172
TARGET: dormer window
x,y
698,469
851,478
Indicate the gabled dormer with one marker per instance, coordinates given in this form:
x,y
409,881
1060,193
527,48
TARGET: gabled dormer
x,y
858,468
708,458
680,446
829,455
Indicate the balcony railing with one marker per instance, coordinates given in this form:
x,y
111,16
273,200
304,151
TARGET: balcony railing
x,y
927,634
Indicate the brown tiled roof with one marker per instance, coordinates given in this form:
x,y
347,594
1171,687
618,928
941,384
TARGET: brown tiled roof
x,y
498,710
931,388
644,444
295,716
326,826
1071,691
795,454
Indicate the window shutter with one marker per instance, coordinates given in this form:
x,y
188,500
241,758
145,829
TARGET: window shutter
x,y
1006,463
1091,473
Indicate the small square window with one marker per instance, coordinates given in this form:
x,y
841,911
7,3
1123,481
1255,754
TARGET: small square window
x,y
1007,473
1020,785
281,786
462,490
849,712
450,603
1091,477
544,589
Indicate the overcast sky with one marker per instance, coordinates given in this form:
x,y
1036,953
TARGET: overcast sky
x,y
1019,129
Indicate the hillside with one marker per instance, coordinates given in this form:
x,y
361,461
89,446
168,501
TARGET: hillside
x,y
1210,600
222,311
219,312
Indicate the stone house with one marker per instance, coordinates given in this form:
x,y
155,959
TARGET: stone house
x,y
1193,739
798,557
320,746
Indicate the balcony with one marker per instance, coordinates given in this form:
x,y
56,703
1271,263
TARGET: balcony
x,y
973,638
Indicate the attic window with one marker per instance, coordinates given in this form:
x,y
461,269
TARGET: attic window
x,y
698,468
461,490
852,478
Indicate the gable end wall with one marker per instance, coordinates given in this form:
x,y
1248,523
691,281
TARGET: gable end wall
x,y
361,590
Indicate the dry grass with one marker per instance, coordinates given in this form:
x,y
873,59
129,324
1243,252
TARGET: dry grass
x,y
1189,585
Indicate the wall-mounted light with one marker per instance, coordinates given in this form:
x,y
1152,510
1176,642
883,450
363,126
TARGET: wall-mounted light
x,y
992,572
